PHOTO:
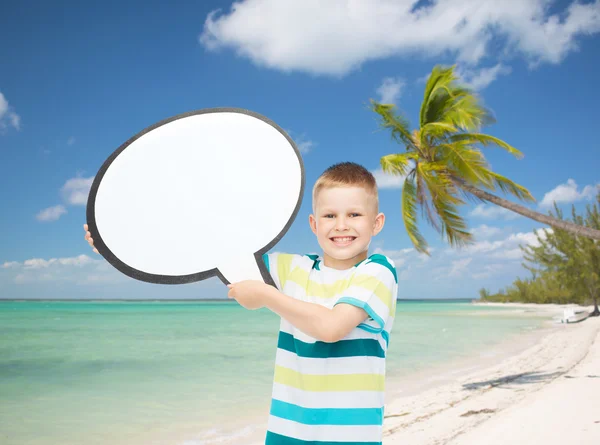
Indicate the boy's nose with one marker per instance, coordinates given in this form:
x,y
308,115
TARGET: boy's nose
x,y
340,224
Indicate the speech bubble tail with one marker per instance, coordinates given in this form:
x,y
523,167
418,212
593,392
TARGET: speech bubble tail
x,y
240,269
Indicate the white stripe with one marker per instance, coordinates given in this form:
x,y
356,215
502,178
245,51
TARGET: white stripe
x,y
339,433
328,399
330,365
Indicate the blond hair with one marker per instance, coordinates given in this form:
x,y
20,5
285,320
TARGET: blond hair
x,y
346,174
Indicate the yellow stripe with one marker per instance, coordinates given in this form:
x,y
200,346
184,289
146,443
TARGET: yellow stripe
x,y
368,282
332,382
284,262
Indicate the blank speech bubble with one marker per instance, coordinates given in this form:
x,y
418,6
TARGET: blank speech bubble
x,y
200,194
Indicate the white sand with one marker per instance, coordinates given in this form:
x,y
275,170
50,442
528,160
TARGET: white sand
x,y
547,394
540,388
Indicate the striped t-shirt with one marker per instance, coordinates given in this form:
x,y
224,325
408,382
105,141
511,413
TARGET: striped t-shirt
x,y
332,393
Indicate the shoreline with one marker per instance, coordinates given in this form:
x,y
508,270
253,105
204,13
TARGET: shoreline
x,y
457,412
434,406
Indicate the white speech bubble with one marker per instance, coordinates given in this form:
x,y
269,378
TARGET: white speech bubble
x,y
200,194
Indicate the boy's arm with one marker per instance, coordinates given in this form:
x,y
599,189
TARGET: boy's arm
x,y
328,325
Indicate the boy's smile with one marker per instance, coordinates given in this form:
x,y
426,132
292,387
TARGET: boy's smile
x,y
344,220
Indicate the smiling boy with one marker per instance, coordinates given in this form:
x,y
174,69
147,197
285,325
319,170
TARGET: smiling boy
x,y
337,311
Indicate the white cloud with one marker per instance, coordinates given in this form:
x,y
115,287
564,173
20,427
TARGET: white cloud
x,y
390,89
38,263
80,269
459,266
488,271
387,181
484,231
285,35
10,264
508,248
493,212
567,193
51,213
478,79
8,117
76,190
304,144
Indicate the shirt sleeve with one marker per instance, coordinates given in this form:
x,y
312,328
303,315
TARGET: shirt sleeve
x,y
374,288
279,266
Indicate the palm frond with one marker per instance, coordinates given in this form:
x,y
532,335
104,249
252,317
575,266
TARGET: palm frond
x,y
397,163
440,79
397,124
437,130
466,112
445,201
409,215
508,186
485,140
423,198
453,225
447,101
465,162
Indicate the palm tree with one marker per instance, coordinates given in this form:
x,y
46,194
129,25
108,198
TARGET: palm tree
x,y
442,165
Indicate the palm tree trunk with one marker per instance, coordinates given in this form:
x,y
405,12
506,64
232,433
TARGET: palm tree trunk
x,y
540,217
596,311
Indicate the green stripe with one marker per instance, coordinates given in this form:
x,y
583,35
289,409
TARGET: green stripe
x,y
266,261
380,259
343,348
326,416
278,439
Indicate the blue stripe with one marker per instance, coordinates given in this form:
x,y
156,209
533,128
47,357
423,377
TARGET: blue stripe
x,y
386,337
368,309
266,261
327,416
344,348
278,439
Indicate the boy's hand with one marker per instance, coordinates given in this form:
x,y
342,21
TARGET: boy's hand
x,y
251,294
88,238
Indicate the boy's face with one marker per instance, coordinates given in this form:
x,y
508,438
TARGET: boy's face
x,y
344,220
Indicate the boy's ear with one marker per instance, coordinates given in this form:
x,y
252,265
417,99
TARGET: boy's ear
x,y
379,222
312,221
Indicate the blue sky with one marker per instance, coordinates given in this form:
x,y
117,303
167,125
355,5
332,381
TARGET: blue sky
x,y
80,79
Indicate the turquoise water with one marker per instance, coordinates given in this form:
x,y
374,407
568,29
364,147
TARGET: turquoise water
x,y
182,372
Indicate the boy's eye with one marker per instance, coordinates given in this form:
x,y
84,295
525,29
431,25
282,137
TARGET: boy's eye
x,y
354,215
328,216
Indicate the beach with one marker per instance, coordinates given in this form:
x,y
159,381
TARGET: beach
x,y
173,373
548,393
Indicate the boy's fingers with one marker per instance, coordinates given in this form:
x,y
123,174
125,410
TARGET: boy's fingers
x,y
85,227
96,250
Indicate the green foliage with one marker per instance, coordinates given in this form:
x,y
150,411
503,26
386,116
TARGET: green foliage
x,y
443,155
565,267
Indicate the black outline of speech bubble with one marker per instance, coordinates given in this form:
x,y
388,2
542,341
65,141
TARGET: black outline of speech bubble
x,y
199,276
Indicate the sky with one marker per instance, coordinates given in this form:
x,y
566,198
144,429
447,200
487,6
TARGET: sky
x,y
79,79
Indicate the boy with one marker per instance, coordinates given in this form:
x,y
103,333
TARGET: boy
x,y
336,312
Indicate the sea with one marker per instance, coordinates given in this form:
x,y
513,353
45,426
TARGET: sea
x,y
190,372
